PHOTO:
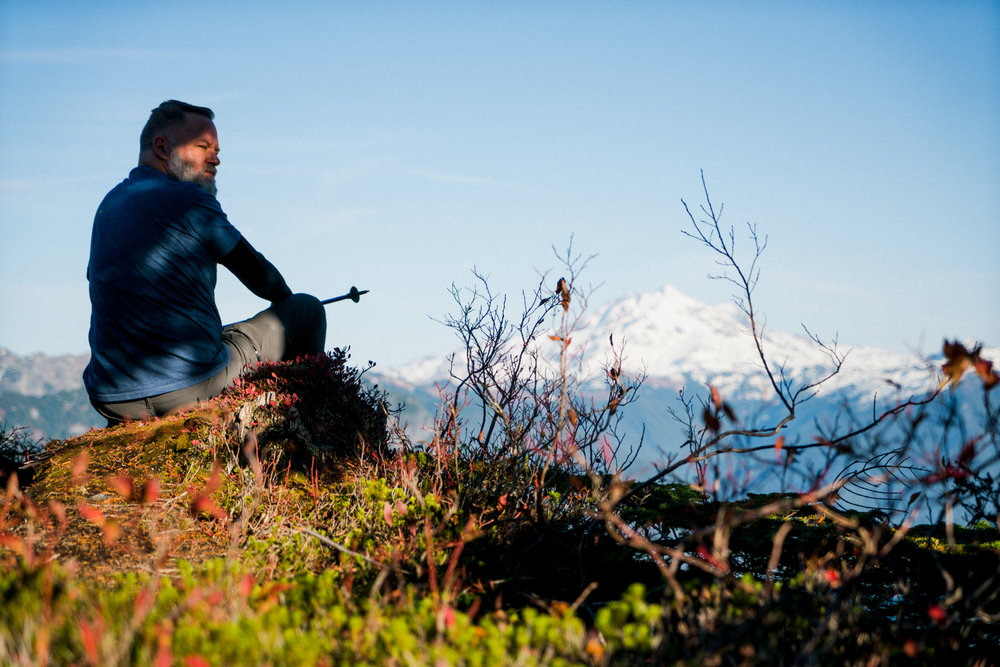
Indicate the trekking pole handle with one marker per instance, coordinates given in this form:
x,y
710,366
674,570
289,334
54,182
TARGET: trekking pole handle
x,y
354,295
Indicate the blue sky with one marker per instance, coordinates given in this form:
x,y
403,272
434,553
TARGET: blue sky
x,y
397,145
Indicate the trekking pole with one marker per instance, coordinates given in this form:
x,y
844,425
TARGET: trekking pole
x,y
354,295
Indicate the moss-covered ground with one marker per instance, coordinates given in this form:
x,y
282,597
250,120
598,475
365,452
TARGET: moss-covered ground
x,y
285,524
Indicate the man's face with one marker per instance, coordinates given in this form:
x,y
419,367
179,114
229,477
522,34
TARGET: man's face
x,y
194,153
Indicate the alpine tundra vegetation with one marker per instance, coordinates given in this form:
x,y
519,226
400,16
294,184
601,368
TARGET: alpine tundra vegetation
x,y
295,520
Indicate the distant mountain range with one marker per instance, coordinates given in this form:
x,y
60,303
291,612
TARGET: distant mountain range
x,y
675,340
39,374
44,395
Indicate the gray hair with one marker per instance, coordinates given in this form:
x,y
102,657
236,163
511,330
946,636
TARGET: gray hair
x,y
166,117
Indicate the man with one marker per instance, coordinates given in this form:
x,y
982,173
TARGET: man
x,y
156,339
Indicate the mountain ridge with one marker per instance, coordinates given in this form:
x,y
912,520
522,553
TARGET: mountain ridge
x,y
673,339
41,374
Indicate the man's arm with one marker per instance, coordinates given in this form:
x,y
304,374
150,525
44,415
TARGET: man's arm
x,y
254,271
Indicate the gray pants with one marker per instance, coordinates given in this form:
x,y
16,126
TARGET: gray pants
x,y
292,328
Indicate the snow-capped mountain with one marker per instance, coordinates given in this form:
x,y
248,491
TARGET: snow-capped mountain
x,y
676,341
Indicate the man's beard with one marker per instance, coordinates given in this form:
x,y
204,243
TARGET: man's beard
x,y
184,171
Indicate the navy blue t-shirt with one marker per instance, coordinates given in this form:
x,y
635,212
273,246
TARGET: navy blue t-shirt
x,y
154,325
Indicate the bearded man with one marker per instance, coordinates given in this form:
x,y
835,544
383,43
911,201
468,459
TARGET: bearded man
x,y
156,338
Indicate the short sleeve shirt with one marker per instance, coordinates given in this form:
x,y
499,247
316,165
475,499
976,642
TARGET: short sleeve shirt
x,y
154,324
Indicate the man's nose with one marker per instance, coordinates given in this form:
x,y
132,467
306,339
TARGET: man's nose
x,y
213,157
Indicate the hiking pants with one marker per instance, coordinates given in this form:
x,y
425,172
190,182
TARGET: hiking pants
x,y
292,328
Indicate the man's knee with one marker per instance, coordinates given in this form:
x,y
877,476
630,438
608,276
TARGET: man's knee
x,y
304,318
309,304
302,311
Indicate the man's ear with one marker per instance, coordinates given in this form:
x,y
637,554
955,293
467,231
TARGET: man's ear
x,y
161,147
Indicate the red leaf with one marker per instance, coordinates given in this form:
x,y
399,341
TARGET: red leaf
x,y
387,512
58,509
716,397
164,658
562,289
246,586
215,479
80,468
91,514
708,557
203,504
150,491
111,532
122,485
937,614
984,369
958,361
13,542
143,603
89,639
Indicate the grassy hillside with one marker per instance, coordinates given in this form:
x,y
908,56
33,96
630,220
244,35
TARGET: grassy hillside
x,y
286,523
